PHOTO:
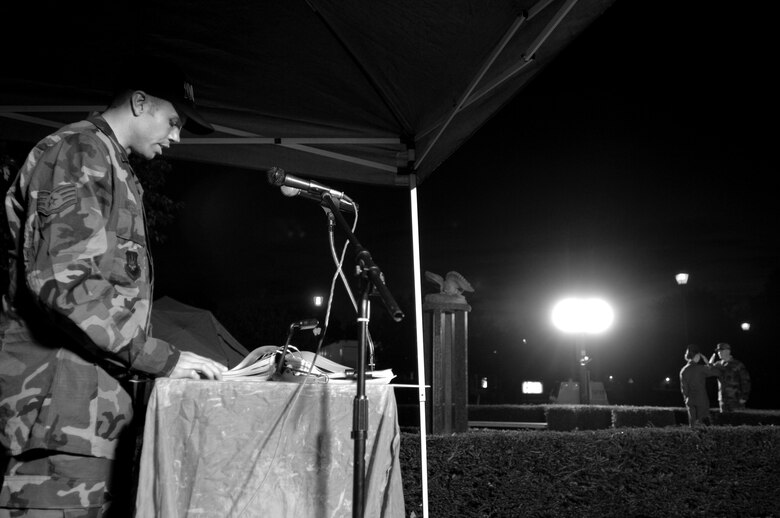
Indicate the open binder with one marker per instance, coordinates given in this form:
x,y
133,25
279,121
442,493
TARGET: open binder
x,y
273,363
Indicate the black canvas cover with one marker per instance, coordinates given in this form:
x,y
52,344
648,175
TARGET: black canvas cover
x,y
196,330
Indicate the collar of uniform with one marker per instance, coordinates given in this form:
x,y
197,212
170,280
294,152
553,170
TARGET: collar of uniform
x,y
103,126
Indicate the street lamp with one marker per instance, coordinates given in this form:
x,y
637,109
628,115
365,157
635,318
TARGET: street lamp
x,y
583,316
682,280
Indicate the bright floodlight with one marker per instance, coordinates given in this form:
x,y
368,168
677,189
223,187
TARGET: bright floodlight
x,y
745,326
590,316
681,278
532,387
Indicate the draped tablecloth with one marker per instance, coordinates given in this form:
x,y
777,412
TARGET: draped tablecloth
x,y
251,448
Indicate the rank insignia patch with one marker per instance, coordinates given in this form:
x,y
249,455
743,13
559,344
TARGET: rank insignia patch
x,y
54,202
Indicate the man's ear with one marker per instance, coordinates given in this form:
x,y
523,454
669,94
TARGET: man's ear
x,y
138,102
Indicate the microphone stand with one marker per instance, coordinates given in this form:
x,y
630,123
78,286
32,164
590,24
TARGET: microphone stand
x,y
371,281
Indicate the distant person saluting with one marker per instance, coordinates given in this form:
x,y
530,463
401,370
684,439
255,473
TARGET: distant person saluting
x,y
693,384
733,380
74,322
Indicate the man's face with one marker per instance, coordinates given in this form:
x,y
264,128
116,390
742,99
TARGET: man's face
x,y
724,354
157,127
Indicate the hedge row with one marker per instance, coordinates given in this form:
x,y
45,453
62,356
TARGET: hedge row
x,y
583,417
718,471
597,417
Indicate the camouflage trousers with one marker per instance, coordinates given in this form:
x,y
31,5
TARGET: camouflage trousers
x,y
52,484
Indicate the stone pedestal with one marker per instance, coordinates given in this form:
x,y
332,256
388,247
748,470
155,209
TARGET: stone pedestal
x,y
570,393
445,328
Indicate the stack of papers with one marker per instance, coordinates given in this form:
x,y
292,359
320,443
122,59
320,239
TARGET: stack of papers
x,y
260,364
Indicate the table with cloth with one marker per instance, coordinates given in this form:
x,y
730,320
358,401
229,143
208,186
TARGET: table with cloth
x,y
247,448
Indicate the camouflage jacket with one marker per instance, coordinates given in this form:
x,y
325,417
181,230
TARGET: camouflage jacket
x,y
79,299
733,381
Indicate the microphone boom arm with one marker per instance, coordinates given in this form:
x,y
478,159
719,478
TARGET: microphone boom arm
x,y
366,262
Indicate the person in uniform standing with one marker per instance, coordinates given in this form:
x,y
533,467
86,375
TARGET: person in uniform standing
x,y
733,379
693,384
75,320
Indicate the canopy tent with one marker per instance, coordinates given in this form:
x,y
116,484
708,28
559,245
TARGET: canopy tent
x,y
366,91
370,91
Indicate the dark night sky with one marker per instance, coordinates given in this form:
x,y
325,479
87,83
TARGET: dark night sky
x,y
642,150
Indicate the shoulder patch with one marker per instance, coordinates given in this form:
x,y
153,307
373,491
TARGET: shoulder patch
x,y
54,202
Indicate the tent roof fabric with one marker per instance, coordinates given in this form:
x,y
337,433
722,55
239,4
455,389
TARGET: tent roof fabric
x,y
344,89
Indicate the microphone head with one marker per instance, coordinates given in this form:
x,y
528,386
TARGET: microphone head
x,y
303,325
276,176
289,191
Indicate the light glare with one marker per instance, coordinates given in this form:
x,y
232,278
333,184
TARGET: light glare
x,y
590,316
532,387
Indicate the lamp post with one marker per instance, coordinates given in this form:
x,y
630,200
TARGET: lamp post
x,y
682,280
582,317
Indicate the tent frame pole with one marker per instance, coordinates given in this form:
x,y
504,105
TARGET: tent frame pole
x,y
418,315
474,82
471,94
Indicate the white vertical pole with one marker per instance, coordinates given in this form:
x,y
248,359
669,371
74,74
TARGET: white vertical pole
x,y
418,315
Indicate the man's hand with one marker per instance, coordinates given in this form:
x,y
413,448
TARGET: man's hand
x,y
195,366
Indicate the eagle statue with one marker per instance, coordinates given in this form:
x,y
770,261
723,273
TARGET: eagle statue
x,y
451,287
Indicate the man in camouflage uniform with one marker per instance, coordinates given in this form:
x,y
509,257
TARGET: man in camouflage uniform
x,y
74,325
733,380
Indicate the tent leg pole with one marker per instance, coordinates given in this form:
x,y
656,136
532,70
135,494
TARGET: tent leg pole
x,y
420,344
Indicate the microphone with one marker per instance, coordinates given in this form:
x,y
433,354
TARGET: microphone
x,y
294,186
277,176
304,325
344,204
